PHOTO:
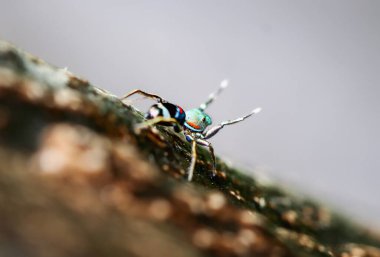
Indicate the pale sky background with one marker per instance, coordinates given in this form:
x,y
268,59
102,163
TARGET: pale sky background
x,y
314,67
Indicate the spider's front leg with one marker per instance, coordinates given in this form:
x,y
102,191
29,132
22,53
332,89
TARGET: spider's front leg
x,y
212,131
194,141
193,160
211,149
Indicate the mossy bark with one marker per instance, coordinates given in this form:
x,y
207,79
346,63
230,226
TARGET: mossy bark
x,y
75,179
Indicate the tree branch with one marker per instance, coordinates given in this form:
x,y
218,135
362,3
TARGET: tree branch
x,y
75,179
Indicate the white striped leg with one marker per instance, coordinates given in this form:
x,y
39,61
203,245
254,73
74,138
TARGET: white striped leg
x,y
213,95
212,131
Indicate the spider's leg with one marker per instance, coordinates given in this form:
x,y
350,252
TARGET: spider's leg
x,y
213,130
213,95
138,91
151,122
193,160
211,149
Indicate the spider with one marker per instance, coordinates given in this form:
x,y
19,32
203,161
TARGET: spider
x,y
192,123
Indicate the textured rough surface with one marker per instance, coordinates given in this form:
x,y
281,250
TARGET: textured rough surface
x,y
75,179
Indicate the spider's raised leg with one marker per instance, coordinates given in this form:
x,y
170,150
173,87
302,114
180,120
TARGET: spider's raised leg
x,y
140,92
213,130
213,95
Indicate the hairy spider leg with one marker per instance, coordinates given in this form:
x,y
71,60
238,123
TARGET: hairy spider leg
x,y
213,95
213,130
140,92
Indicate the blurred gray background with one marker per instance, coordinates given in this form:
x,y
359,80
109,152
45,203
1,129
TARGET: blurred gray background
x,y
314,67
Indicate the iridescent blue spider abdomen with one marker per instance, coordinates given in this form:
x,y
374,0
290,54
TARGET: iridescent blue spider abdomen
x,y
197,120
166,110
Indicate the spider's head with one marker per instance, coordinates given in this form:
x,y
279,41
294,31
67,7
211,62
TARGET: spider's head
x,y
197,120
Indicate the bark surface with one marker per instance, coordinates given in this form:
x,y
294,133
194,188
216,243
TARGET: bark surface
x,y
76,180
